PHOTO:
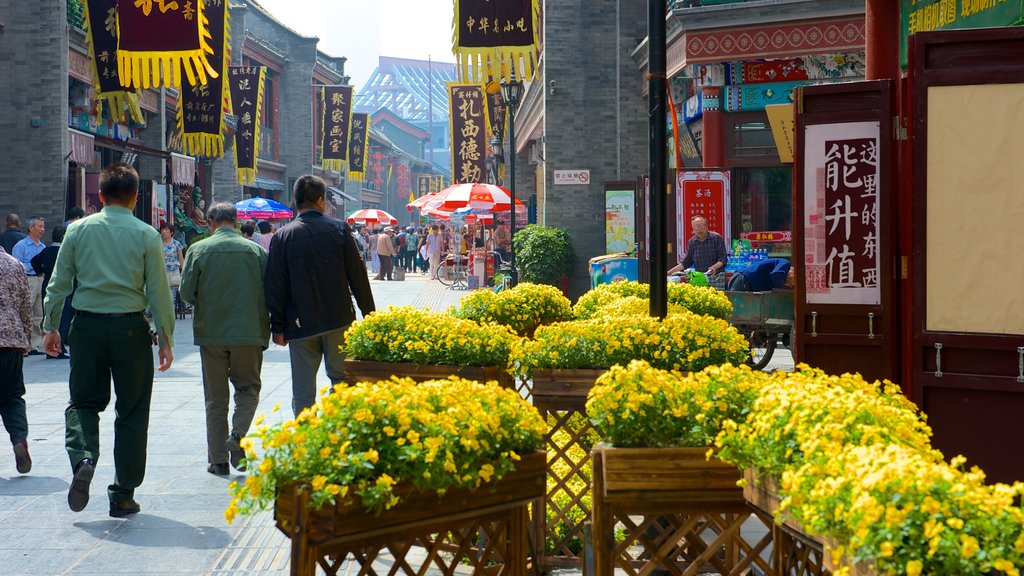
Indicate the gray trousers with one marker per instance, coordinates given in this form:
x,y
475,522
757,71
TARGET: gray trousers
x,y
305,356
241,365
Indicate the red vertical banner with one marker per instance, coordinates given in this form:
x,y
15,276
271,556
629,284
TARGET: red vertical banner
x,y
842,256
703,193
469,129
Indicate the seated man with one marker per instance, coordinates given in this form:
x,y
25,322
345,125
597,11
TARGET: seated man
x,y
763,276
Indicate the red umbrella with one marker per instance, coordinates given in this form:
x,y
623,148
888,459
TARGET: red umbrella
x,y
474,195
371,216
420,202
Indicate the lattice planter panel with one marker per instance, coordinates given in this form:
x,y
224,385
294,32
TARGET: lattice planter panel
x,y
561,398
373,371
484,528
795,552
676,511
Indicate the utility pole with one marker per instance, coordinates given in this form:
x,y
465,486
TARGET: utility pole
x,y
658,162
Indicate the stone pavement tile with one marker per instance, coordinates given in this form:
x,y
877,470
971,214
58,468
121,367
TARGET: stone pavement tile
x,y
43,559
64,537
145,558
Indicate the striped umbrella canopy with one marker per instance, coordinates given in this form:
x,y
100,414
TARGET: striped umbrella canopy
x,y
371,216
420,202
474,195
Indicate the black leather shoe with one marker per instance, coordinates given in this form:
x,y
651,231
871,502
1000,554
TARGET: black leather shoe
x,y
22,460
124,508
218,469
78,494
235,452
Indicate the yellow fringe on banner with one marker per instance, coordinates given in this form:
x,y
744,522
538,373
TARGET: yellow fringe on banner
x,y
473,62
333,164
204,143
247,176
358,176
116,101
143,70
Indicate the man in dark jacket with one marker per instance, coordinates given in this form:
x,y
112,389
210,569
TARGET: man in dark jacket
x,y
312,272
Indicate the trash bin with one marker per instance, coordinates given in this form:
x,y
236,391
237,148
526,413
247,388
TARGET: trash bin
x,y
619,267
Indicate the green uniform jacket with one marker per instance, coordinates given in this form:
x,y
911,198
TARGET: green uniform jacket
x,y
223,280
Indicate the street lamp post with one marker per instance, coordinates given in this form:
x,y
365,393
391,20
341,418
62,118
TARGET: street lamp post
x,y
512,91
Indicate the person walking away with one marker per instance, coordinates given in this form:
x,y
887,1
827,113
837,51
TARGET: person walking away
x,y
705,252
174,259
44,263
223,281
312,273
15,338
375,235
266,233
247,230
12,233
119,264
434,241
403,249
25,250
386,253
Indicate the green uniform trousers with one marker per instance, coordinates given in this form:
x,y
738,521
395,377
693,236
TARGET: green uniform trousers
x,y
103,348
241,365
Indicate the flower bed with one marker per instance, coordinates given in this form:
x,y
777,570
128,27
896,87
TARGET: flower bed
x,y
405,334
680,342
522,308
696,299
855,466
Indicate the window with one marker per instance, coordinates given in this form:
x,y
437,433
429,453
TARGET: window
x,y
762,201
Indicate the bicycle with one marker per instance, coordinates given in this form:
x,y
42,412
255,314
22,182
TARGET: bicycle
x,y
502,279
454,273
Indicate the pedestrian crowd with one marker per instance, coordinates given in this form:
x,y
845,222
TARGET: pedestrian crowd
x,y
89,297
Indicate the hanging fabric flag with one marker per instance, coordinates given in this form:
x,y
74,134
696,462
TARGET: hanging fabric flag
x,y
201,107
358,146
158,39
246,83
101,37
505,32
468,125
336,125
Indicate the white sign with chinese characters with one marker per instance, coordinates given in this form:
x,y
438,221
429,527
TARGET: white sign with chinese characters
x,y
572,177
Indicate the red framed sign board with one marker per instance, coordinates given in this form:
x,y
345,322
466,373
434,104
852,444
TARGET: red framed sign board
x,y
702,193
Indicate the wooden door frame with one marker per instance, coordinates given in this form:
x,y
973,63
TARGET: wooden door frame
x,y
861,99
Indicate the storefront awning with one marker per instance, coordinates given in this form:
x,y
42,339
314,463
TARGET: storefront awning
x,y
338,192
80,145
268,184
183,170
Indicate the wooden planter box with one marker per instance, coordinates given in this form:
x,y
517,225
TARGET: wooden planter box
x,y
373,371
485,528
795,551
559,396
692,511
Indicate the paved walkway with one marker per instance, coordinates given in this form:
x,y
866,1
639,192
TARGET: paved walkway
x,y
181,529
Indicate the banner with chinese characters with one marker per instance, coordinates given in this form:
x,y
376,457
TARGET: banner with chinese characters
x,y
498,34
620,220
157,40
201,107
926,15
101,38
246,83
336,125
469,128
841,174
359,146
702,193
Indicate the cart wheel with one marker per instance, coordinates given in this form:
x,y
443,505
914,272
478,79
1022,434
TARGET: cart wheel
x,y
762,346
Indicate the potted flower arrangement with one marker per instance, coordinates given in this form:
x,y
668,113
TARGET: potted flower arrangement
x,y
381,463
422,345
657,427
522,308
852,464
696,299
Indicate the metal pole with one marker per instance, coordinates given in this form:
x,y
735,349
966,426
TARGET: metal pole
x,y
656,11
512,184
430,108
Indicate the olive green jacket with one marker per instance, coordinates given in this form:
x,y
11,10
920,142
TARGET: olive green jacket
x,y
223,280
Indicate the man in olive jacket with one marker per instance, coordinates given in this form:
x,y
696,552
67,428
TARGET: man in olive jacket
x,y
223,281
313,271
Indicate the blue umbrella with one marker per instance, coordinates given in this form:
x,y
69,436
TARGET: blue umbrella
x,y
265,208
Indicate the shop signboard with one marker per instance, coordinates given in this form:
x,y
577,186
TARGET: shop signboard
x,y
755,97
927,15
772,236
780,116
702,193
841,227
620,220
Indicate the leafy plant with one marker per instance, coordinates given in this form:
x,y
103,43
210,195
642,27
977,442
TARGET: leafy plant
x,y
543,255
360,441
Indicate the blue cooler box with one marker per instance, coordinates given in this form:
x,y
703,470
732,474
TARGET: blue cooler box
x,y
610,268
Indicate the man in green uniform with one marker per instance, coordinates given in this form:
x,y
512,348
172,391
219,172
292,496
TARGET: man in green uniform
x,y
118,262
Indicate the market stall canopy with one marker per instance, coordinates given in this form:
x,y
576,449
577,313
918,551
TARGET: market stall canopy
x,y
421,202
262,208
474,195
371,216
